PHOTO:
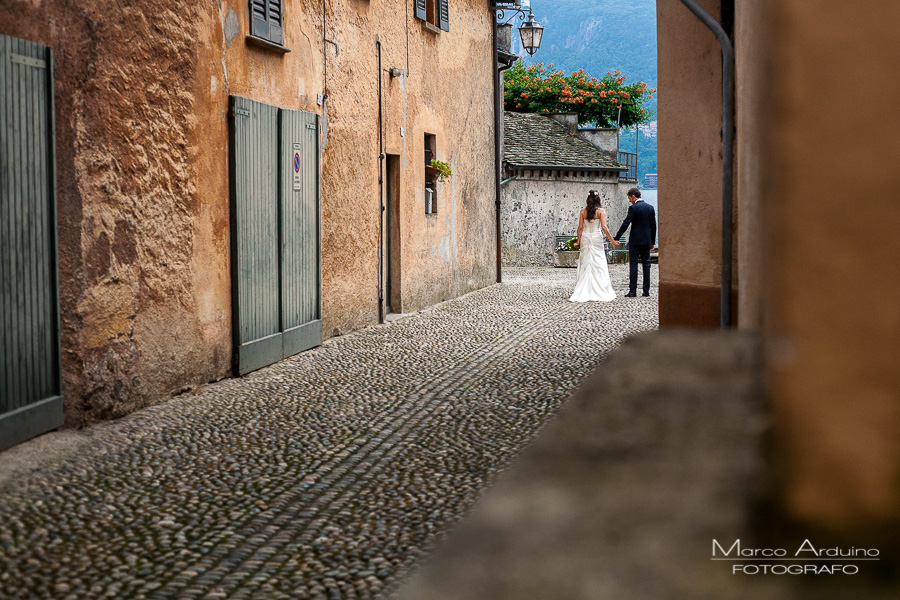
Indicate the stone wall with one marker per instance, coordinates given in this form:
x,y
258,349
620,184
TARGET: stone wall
x,y
535,208
142,172
604,138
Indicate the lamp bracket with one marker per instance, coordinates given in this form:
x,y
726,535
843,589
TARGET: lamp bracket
x,y
517,12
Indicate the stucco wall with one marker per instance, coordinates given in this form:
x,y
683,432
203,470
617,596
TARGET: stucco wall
x,y
815,277
143,192
142,240
535,209
448,94
833,325
690,165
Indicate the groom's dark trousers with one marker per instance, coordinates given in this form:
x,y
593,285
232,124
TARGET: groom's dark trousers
x,y
638,253
642,219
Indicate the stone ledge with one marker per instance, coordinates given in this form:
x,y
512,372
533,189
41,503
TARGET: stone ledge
x,y
658,453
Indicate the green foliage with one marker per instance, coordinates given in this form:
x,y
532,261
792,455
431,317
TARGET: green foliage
x,y
599,36
443,169
544,89
568,245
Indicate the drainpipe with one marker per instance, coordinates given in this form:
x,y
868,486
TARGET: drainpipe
x,y
727,155
497,114
380,193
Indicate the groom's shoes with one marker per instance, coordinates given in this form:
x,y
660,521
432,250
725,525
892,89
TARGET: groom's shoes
x,y
631,295
645,294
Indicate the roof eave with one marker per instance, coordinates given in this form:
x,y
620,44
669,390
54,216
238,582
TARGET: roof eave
x,y
569,167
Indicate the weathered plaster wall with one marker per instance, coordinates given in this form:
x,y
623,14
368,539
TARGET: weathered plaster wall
x,y
445,90
690,165
136,229
535,209
142,150
833,325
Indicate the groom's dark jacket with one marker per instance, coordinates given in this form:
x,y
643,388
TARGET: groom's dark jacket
x,y
642,219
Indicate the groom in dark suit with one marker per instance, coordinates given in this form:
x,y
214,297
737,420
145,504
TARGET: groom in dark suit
x,y
641,241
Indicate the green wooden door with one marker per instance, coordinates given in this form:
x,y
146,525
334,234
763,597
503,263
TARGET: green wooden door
x,y
300,256
274,233
31,400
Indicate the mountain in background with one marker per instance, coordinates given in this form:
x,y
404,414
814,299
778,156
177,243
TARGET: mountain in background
x,y
600,36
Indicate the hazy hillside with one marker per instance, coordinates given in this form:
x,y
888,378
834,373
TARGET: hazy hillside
x,y
600,36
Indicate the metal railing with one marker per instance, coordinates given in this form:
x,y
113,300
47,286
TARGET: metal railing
x,y
629,159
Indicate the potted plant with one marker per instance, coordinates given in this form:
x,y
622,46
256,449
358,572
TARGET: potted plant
x,y
437,170
567,253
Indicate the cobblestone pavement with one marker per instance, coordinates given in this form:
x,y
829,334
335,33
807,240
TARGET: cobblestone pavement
x,y
328,475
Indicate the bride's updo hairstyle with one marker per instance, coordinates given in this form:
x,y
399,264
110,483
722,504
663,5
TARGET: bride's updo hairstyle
x,y
593,203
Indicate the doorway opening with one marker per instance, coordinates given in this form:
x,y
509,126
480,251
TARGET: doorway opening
x,y
392,231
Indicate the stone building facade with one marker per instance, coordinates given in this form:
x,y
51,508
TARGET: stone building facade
x,y
549,167
142,150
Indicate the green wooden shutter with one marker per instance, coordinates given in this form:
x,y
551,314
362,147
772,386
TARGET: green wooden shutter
x,y
276,22
444,15
256,303
259,18
300,231
421,10
31,400
275,233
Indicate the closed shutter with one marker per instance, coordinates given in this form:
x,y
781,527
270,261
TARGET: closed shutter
x,y
256,300
267,20
259,19
421,10
444,15
275,233
31,399
276,22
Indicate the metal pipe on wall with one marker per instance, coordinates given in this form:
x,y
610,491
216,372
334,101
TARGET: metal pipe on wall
x,y
380,192
727,155
497,116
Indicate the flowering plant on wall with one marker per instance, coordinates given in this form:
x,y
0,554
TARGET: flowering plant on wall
x,y
544,89
441,169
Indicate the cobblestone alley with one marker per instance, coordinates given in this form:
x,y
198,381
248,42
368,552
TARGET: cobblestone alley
x,y
328,475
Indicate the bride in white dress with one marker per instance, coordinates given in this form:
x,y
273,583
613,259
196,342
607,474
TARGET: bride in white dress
x,y
593,282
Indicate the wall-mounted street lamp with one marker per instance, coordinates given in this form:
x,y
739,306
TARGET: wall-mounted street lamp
x,y
530,30
531,33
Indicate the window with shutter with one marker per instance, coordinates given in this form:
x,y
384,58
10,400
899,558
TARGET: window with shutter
x,y
267,20
434,12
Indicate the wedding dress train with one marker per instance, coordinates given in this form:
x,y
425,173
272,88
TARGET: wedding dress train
x,y
592,279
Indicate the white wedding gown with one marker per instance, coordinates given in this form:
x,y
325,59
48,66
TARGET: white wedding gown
x,y
593,282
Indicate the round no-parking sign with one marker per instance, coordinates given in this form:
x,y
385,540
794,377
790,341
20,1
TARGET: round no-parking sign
x,y
296,164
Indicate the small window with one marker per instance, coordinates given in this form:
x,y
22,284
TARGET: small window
x,y
430,182
434,12
267,20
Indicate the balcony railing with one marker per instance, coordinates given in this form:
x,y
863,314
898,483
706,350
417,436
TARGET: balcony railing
x,y
629,159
